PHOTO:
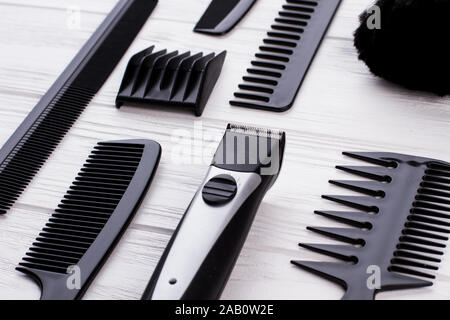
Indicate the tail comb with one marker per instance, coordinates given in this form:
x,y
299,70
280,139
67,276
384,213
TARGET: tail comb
x,y
91,217
400,225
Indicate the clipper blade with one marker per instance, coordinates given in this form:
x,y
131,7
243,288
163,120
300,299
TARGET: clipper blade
x,y
398,230
255,131
251,149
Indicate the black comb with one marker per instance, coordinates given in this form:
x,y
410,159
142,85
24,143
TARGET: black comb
x,y
276,75
41,131
92,216
401,225
222,16
183,80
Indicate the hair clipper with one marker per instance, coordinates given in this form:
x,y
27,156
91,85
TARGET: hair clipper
x,y
203,250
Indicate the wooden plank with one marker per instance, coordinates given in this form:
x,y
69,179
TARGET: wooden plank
x,y
341,106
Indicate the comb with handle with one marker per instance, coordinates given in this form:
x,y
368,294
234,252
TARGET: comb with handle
x,y
41,131
91,217
400,225
277,73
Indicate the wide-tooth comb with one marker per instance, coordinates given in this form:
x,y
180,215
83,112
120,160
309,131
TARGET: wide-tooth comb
x,y
171,79
91,217
276,75
400,226
32,143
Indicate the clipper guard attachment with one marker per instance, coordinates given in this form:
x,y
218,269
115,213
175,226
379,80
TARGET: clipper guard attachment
x,y
91,218
183,80
399,227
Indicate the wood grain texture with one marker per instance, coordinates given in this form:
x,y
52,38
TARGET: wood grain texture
x,y
341,106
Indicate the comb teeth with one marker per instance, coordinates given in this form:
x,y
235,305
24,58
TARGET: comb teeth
x,y
92,209
371,188
105,193
346,253
402,227
375,173
38,143
285,56
355,219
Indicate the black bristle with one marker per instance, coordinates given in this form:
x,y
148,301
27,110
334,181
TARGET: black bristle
x,y
409,47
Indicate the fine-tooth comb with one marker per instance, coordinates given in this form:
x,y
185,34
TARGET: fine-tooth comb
x,y
276,75
41,131
400,227
183,80
91,218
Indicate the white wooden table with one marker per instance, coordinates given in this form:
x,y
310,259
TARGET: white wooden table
x,y
341,106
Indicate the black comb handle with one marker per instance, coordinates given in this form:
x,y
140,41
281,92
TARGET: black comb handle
x,y
398,226
91,218
41,131
222,16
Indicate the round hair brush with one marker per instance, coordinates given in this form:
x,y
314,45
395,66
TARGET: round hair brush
x,y
406,42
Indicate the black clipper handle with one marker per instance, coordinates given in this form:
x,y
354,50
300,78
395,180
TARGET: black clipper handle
x,y
208,278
